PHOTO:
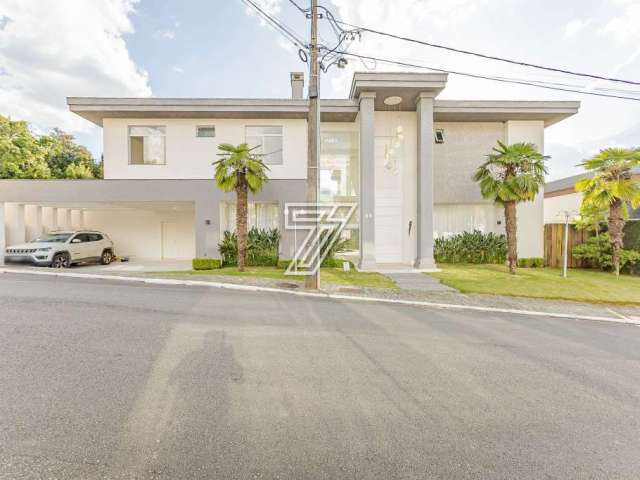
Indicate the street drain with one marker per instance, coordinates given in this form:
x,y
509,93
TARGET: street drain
x,y
287,285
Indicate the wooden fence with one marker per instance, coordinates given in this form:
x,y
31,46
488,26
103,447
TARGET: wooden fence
x,y
554,244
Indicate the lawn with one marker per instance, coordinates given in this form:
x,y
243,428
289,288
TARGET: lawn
x,y
334,276
581,285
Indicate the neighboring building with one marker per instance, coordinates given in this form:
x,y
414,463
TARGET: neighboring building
x,y
560,196
405,157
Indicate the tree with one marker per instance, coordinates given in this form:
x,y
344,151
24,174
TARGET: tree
x,y
512,174
612,187
62,152
21,155
591,218
241,171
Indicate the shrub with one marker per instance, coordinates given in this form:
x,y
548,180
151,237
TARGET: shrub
x,y
597,251
205,263
533,262
335,263
471,247
262,247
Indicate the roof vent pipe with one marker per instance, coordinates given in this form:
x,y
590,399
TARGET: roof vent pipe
x,y
297,85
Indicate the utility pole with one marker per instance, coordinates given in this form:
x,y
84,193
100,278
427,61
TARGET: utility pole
x,y
313,132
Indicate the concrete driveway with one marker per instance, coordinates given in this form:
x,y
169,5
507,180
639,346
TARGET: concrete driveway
x,y
132,266
109,380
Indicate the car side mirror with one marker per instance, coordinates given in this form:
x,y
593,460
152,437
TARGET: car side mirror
x,y
75,240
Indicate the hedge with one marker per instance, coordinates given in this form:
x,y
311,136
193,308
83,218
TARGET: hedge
x,y
206,263
533,262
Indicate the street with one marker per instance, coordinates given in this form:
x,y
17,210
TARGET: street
x,y
101,379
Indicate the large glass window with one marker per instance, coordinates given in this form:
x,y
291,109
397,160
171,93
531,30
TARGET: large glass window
x,y
340,175
264,215
268,139
147,145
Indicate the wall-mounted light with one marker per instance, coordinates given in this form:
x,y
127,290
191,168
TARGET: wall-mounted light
x,y
439,135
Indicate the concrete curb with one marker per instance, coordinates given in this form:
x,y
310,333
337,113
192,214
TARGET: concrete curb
x,y
251,288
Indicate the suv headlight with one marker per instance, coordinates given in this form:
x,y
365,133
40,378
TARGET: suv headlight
x,y
46,249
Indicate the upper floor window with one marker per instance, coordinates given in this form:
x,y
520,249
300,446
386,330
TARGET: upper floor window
x,y
205,131
268,139
147,145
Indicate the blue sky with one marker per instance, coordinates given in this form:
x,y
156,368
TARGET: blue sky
x,y
215,48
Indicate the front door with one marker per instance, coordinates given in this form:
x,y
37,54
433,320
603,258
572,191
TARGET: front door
x,y
169,240
388,204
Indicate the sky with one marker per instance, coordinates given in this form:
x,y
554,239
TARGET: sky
x,y
51,49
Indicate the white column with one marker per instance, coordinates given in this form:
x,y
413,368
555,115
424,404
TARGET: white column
x,y
530,215
16,228
424,177
54,219
81,219
34,221
76,219
367,182
64,219
3,234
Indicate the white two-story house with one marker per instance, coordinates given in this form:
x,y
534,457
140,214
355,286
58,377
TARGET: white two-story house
x,y
405,157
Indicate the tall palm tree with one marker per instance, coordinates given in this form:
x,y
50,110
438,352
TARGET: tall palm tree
x,y
241,170
512,174
612,187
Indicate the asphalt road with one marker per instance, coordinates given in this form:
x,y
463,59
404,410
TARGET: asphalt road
x,y
109,380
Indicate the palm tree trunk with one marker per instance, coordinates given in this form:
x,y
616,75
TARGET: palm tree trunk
x,y
510,228
241,221
616,232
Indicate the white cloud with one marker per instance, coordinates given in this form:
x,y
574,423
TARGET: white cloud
x,y
48,56
177,69
576,26
625,27
167,34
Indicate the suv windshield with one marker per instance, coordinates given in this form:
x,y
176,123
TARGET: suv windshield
x,y
53,238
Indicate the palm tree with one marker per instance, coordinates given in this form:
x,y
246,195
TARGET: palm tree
x,y
512,174
241,170
612,187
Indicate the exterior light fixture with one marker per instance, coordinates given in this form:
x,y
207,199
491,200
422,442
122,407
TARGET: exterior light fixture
x,y
439,135
393,100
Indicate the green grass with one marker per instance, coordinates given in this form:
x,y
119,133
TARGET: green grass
x,y
334,276
581,285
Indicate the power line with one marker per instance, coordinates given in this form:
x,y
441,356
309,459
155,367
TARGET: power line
x,y
485,77
482,55
282,28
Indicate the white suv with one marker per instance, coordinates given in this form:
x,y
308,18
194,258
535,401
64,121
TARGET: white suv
x,y
61,249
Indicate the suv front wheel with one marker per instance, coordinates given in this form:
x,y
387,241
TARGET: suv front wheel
x,y
106,258
60,260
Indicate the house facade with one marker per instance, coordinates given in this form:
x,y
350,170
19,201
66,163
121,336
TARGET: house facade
x,y
392,147
560,196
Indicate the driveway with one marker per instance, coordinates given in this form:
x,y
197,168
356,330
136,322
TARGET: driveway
x,y
108,380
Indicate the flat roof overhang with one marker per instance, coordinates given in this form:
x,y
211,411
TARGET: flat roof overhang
x,y
96,109
549,112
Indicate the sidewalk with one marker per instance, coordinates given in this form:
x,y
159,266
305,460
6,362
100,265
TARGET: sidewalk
x,y
425,298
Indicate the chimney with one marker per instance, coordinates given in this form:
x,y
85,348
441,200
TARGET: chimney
x,y
297,85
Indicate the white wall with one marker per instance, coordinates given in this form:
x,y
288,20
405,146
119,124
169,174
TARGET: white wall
x,y
188,156
449,219
465,148
137,233
530,214
554,207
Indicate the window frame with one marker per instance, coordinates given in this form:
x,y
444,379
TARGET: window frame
x,y
262,136
198,127
164,146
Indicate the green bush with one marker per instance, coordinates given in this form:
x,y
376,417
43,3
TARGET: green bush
x,y
533,262
471,247
262,247
598,252
335,263
205,263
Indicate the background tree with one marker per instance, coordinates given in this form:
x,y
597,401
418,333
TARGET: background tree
x,y
241,171
612,187
512,174
21,156
67,159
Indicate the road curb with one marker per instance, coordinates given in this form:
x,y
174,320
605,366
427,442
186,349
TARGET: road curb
x,y
323,295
